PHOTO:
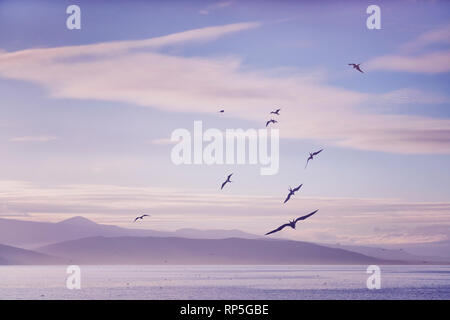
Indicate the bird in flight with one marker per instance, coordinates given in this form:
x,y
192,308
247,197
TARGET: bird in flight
x,y
222,111
141,217
311,156
292,192
226,181
291,223
277,112
271,121
356,66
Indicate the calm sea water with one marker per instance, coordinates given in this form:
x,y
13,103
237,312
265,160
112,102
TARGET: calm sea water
x,y
225,282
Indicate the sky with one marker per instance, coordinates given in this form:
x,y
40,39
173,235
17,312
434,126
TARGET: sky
x,y
86,115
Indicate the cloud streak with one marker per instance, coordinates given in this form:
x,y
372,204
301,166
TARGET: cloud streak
x,y
363,220
436,36
136,72
413,59
428,63
33,139
215,6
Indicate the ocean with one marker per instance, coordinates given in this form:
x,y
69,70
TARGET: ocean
x,y
225,282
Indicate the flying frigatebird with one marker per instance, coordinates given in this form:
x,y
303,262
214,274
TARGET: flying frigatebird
x,y
141,217
271,121
291,223
292,192
356,66
226,181
277,112
311,156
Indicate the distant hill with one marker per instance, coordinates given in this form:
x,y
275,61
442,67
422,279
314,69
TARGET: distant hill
x,y
214,234
172,250
428,249
31,234
16,256
391,254
84,241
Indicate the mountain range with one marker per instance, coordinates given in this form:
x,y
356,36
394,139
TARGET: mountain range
x,y
172,250
81,241
31,234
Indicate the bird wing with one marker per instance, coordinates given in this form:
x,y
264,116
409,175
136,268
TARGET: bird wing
x,y
223,185
135,219
288,197
278,229
229,176
298,188
305,217
267,123
317,152
307,162
359,69
145,215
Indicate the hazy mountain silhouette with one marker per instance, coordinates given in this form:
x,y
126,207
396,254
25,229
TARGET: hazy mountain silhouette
x,y
391,254
78,221
13,256
214,234
427,249
31,234
84,241
172,250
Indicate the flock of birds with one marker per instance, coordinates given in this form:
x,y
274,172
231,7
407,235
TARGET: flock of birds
x,y
277,112
292,223
292,192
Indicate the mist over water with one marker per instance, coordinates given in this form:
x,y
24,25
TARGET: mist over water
x,y
225,282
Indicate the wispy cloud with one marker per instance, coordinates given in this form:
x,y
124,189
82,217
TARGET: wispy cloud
x,y
410,96
428,63
33,139
102,50
410,60
163,141
115,71
436,36
361,220
215,6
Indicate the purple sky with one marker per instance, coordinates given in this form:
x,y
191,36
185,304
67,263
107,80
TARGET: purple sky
x,y
86,115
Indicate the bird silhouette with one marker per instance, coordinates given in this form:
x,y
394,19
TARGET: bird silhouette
x,y
291,223
356,66
222,111
226,181
292,192
311,156
271,121
141,217
277,112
